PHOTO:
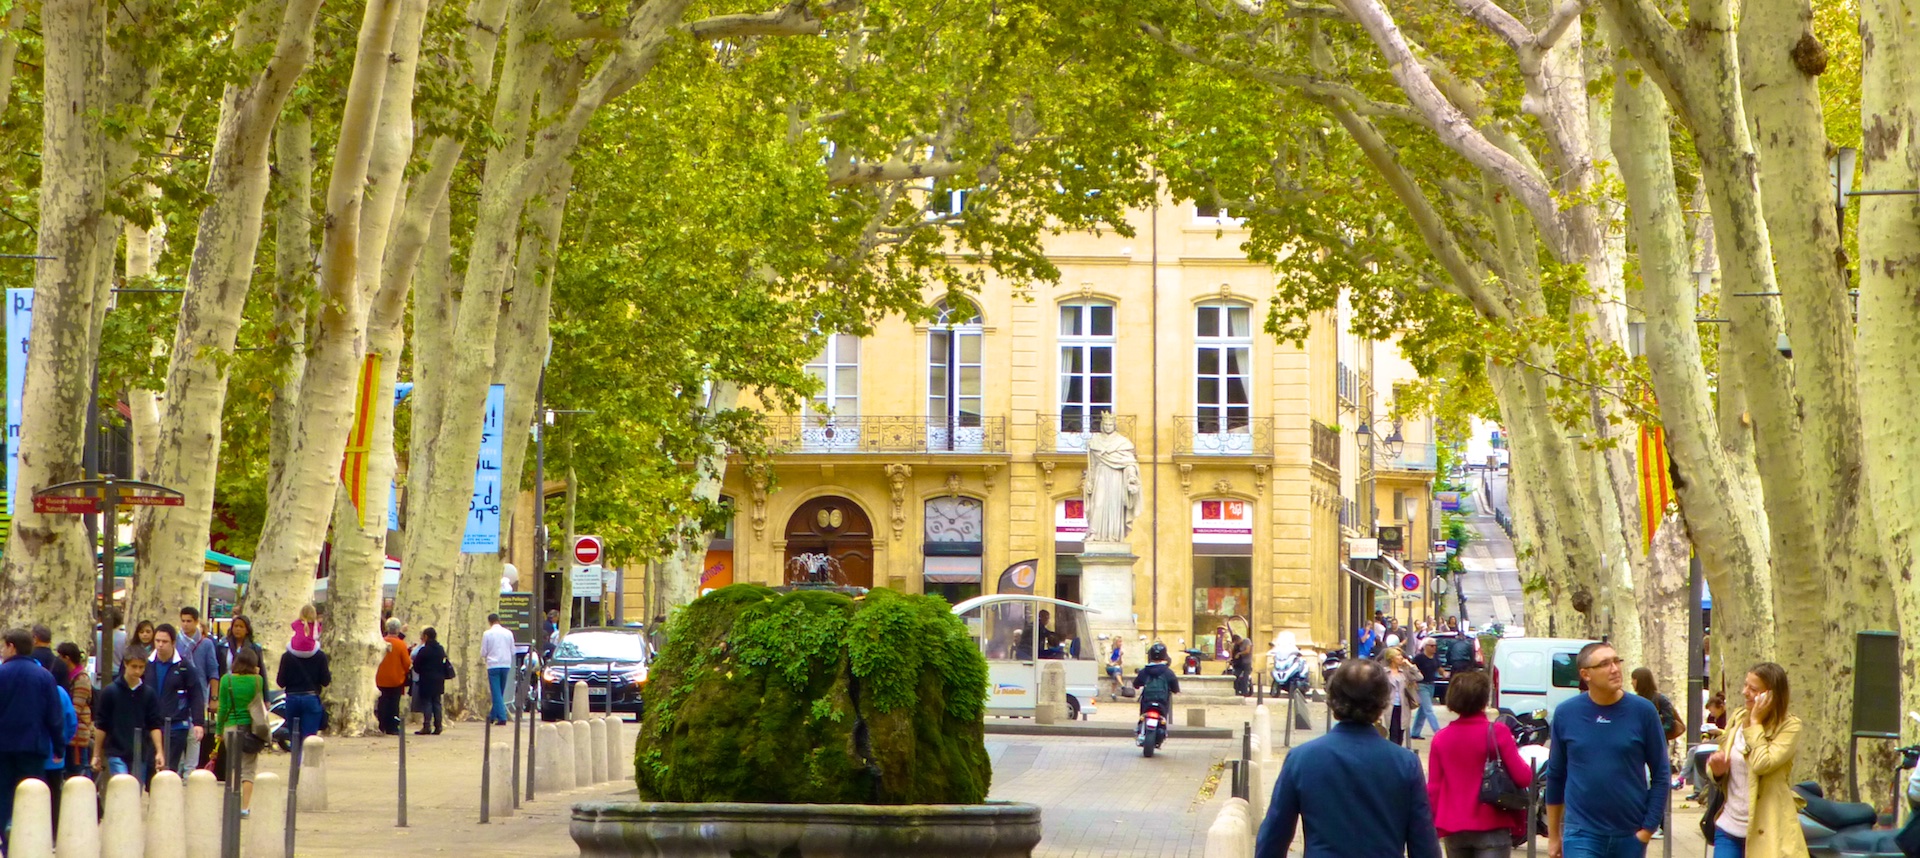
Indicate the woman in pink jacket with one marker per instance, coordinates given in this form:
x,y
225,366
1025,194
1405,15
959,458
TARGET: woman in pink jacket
x,y
1455,762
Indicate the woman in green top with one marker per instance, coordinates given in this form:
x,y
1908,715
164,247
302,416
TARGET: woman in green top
x,y
237,692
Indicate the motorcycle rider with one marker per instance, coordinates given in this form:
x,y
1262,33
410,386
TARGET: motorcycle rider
x,y
1157,681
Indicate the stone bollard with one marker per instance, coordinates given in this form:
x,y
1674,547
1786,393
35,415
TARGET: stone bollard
x,y
1256,790
1236,809
546,762
265,834
1050,694
582,701
563,776
1263,733
166,833
79,818
598,726
1196,716
204,806
121,831
313,775
583,754
500,776
1227,836
32,835
619,753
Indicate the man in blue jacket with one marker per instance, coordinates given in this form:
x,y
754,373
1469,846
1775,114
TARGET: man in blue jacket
x,y
1360,795
30,719
180,693
1607,766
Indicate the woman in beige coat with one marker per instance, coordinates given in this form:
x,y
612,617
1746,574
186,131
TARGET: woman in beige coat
x,y
1754,766
1404,679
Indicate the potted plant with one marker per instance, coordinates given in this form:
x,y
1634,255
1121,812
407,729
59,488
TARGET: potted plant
x,y
812,723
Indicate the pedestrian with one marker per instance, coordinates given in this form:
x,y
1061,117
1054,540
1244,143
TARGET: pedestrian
x,y
1428,663
1717,710
391,678
1114,668
243,695
1468,827
302,673
202,650
1760,816
240,638
1364,643
1644,686
53,758
496,646
1404,679
1358,795
127,725
1242,665
1606,766
82,695
141,645
43,653
30,719
432,668
181,696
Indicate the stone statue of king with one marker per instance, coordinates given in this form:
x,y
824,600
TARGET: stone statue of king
x,y
1112,489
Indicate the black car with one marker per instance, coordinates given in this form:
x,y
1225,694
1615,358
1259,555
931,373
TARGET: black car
x,y
613,664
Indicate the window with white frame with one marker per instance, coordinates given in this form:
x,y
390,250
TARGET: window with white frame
x,y
955,377
1086,365
838,369
1223,376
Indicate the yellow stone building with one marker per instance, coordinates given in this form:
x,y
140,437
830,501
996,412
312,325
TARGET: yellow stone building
x,y
948,457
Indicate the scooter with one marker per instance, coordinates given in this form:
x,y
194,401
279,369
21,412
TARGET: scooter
x,y
1329,661
1848,829
1290,675
1191,667
1152,730
1532,733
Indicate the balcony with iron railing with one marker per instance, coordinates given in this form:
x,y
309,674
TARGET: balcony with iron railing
x,y
1214,435
816,434
1409,457
1326,445
1067,433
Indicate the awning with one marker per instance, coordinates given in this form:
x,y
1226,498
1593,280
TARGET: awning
x,y
953,570
1362,578
1399,568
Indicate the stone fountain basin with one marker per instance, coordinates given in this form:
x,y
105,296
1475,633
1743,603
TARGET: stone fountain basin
x,y
741,830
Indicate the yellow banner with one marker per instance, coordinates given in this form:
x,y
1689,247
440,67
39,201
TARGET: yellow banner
x,y
1656,480
353,469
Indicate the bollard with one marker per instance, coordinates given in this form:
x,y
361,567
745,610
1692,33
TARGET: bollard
x,y
230,799
537,693
120,824
203,813
1297,705
405,711
1256,789
546,762
486,771
597,749
513,778
501,761
581,707
79,818
1237,810
1263,731
563,777
32,834
582,754
1224,836
266,835
618,762
313,775
166,817
291,825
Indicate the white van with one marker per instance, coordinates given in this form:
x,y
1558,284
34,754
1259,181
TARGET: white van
x,y
1537,673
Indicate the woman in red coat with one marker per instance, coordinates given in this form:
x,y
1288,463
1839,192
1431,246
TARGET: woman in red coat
x,y
1455,763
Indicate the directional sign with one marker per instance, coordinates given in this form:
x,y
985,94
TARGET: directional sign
x,y
150,500
1410,581
587,550
65,504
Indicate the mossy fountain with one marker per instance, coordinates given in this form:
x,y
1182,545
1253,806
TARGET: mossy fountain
x,y
812,723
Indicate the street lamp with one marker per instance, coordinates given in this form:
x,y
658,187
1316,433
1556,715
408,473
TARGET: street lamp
x,y
1395,442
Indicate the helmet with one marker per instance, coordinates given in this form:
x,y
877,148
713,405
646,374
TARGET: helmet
x,y
1157,652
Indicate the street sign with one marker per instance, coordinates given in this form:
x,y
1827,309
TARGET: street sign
x,y
587,550
516,613
151,500
586,582
1439,586
65,504
1410,582
1363,549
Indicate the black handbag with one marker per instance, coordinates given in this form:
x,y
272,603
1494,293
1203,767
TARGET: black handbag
x,y
1716,802
1496,786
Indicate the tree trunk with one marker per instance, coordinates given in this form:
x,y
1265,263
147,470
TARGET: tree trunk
x,y
49,574
679,572
172,541
293,283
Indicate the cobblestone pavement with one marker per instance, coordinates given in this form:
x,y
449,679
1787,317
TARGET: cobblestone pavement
x,y
1100,797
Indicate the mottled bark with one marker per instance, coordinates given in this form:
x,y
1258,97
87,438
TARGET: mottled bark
x,y
293,283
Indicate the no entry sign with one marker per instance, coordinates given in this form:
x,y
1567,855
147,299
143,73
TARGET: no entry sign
x,y
586,550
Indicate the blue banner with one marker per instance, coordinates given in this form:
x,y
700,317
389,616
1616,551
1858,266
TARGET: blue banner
x,y
393,506
19,326
483,512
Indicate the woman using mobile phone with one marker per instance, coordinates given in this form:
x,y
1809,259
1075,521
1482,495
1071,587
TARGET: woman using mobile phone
x,y
1753,767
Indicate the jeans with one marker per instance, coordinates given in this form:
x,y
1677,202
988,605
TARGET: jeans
x,y
307,710
1425,715
1576,843
1728,846
431,715
178,739
1479,844
497,682
125,766
386,710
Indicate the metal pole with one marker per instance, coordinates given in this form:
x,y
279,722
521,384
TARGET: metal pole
x,y
609,689
486,771
1696,658
1667,842
533,724
405,711
519,698
104,654
230,803
1292,698
293,782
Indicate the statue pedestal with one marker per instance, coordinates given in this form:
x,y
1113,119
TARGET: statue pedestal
x,y
1106,586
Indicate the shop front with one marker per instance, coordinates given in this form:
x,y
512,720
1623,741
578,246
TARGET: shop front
x,y
1222,573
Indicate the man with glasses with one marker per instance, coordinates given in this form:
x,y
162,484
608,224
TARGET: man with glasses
x,y
1607,769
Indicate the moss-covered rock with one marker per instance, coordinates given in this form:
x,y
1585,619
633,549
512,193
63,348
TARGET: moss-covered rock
x,y
815,697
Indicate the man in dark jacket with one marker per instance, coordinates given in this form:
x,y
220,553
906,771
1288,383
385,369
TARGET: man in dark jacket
x,y
127,724
1360,795
31,719
44,654
179,692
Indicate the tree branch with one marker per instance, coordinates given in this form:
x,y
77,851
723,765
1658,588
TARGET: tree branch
x,y
1499,20
1317,88
793,19
1563,19
891,171
569,25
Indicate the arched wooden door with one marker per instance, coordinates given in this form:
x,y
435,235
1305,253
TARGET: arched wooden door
x,y
835,527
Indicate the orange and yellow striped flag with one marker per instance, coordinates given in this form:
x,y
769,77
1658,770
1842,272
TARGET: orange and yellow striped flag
x,y
1656,480
353,469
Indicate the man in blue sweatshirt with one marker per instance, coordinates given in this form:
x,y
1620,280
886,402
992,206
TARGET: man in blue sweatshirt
x,y
30,719
1607,769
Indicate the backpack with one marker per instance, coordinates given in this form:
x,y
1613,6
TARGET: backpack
x,y
1157,687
